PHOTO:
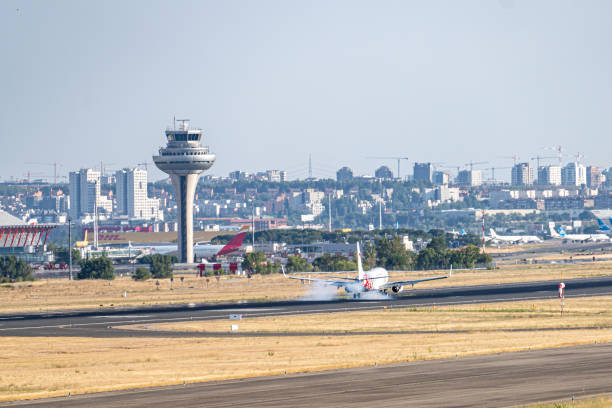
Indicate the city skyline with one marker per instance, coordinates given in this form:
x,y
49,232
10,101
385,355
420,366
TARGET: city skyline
x,y
440,82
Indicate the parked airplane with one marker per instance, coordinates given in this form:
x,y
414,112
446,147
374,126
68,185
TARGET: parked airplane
x,y
515,239
577,237
200,249
376,279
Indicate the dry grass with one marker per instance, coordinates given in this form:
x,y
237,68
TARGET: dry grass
x,y
57,294
580,312
37,367
599,402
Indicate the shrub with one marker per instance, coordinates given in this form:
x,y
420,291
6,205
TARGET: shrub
x,y
13,269
142,274
97,268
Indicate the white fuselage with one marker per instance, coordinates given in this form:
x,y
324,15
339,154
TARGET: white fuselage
x,y
374,279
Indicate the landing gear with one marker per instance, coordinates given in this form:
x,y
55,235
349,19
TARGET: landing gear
x,y
356,295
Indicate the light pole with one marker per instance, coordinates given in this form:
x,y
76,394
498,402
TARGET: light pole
x,y
70,248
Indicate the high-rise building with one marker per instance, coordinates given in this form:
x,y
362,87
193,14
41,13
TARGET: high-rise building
x,y
423,172
441,177
549,176
573,174
522,174
132,198
594,177
344,174
276,176
383,172
471,178
184,159
85,193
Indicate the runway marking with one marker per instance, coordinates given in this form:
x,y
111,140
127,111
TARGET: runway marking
x,y
119,317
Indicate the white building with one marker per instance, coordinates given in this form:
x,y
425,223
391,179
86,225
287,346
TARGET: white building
x,y
132,198
549,176
574,174
85,193
469,178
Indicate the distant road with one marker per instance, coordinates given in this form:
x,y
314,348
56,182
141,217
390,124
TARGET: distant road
x,y
497,380
100,322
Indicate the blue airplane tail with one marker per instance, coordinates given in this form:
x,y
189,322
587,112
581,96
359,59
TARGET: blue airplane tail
x,y
561,232
603,226
462,231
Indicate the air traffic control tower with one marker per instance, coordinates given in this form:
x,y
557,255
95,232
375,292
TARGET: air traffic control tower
x,y
184,159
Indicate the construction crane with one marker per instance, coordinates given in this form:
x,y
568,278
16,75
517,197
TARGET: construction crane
x,y
49,164
559,150
515,158
538,158
398,158
579,157
145,164
493,171
472,164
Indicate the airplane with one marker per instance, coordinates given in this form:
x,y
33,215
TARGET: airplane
x,y
376,279
522,239
200,249
577,237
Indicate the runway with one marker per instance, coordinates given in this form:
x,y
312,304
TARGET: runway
x,y
102,322
497,380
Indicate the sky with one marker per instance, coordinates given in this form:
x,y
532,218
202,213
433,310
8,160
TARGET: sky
x,y
272,82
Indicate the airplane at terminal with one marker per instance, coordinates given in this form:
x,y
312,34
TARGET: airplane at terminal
x,y
514,239
376,279
200,249
577,237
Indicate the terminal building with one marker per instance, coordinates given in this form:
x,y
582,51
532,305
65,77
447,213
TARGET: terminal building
x,y
27,242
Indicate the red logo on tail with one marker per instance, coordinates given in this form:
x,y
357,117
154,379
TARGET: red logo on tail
x,y
234,244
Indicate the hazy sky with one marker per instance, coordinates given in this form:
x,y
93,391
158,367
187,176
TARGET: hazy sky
x,y
272,81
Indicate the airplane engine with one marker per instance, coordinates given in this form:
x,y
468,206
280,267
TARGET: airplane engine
x,y
397,288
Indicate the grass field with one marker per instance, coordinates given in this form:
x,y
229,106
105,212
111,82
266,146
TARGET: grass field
x,y
38,367
599,402
57,294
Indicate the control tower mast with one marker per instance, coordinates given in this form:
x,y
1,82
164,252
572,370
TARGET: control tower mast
x,y
184,159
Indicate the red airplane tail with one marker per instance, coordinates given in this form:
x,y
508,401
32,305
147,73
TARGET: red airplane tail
x,y
234,244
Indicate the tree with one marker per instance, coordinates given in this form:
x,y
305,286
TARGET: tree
x,y
296,263
142,274
61,255
253,261
97,268
161,266
13,269
369,253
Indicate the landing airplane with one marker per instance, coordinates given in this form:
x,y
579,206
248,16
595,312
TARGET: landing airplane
x,y
577,237
376,279
515,239
200,250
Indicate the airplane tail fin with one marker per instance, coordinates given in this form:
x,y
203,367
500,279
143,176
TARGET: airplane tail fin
x,y
553,233
492,231
462,231
561,231
602,225
359,265
85,237
234,244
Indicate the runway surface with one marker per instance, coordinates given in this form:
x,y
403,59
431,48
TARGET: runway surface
x,y
498,380
101,323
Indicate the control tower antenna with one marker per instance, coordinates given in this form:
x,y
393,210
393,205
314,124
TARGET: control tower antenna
x,y
184,159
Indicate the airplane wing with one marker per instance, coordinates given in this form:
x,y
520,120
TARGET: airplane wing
x,y
410,282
